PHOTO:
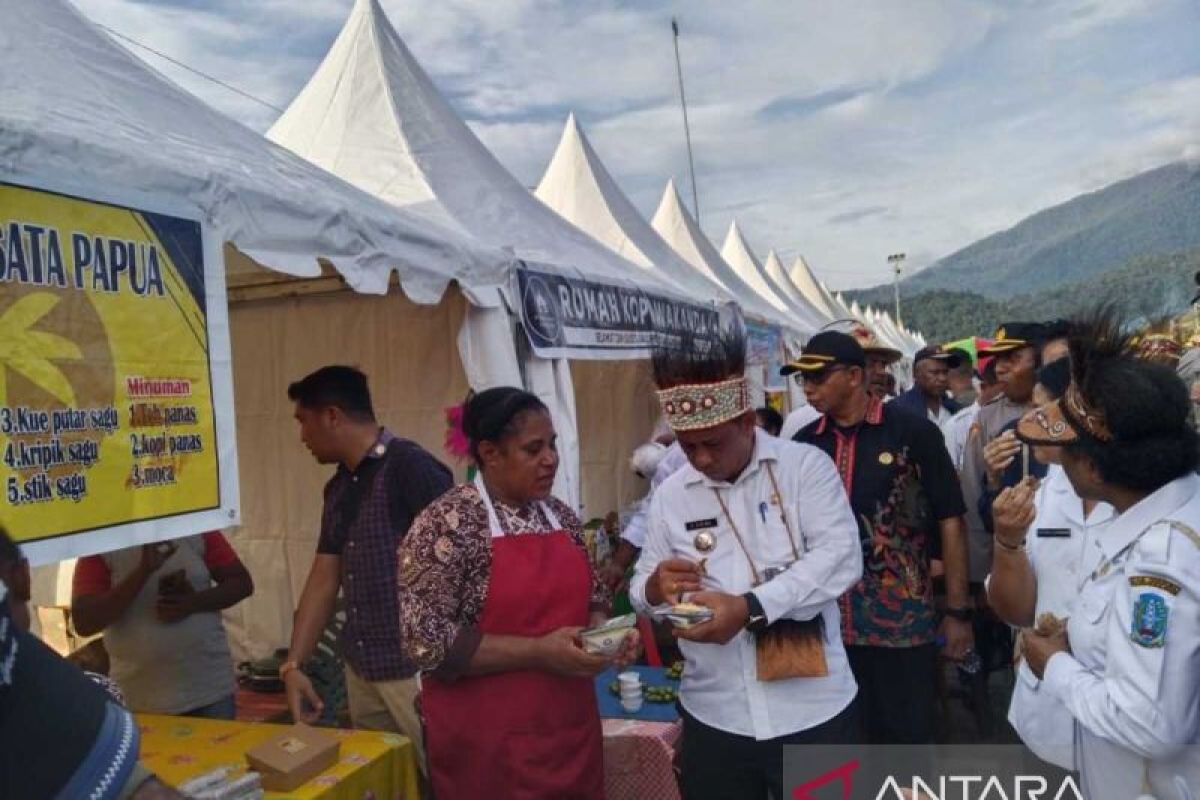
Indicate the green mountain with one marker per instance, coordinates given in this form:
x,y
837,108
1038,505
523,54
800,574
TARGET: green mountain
x,y
1135,241
1154,213
1144,289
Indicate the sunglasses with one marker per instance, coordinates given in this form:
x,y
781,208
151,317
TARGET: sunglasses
x,y
818,377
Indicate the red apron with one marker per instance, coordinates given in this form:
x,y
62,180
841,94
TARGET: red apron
x,y
522,735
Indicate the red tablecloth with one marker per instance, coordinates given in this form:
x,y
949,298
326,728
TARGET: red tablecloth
x,y
638,759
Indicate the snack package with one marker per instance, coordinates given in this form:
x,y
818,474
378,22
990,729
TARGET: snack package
x,y
606,639
684,615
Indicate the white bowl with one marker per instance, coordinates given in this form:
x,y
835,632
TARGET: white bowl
x,y
631,706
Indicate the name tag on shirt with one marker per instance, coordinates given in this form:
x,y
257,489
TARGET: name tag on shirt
x,y
700,524
1054,533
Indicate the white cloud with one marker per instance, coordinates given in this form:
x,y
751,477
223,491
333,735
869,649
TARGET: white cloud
x,y
841,130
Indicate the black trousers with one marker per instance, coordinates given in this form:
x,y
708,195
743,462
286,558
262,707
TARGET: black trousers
x,y
724,766
898,693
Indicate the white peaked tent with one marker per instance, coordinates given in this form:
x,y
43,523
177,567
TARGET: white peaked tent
x,y
94,120
371,115
737,254
778,279
96,115
679,229
580,188
804,280
839,304
885,331
903,341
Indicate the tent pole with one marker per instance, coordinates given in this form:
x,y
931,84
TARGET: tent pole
x,y
687,131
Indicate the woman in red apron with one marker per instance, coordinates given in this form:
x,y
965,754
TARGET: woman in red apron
x,y
495,585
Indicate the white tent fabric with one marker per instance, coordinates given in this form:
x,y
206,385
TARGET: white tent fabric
x,y
804,280
903,342
95,115
679,229
839,306
778,279
737,253
370,114
579,188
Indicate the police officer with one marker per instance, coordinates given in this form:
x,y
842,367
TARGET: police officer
x,y
1127,663
1016,348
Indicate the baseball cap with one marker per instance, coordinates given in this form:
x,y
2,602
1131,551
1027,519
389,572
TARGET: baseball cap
x,y
1013,336
935,352
867,338
825,350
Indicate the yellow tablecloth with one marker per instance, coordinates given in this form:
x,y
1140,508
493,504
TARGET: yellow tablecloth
x,y
371,765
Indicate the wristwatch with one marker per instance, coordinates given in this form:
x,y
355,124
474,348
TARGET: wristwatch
x,y
962,614
757,621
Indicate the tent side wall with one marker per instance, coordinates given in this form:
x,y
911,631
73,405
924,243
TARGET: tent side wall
x,y
617,412
409,353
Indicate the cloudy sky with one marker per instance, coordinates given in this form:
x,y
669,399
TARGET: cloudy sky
x,y
841,130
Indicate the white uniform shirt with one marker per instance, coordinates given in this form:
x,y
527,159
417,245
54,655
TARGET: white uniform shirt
x,y
957,430
1132,680
797,420
720,686
940,417
1063,548
634,530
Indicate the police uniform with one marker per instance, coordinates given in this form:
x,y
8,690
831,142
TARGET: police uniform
x,y
1062,547
991,420
1132,679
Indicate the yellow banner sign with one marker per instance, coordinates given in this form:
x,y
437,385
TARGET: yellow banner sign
x,y
106,401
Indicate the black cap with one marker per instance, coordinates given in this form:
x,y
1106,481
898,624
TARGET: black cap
x,y
1013,336
826,349
935,352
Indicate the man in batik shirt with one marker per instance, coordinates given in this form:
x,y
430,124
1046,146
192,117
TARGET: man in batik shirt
x,y
903,490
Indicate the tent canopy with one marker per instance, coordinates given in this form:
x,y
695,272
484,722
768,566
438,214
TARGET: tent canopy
x,y
778,279
737,254
371,115
580,188
807,284
93,116
679,229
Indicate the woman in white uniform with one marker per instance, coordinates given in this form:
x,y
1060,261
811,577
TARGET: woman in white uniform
x,y
1045,542
1127,664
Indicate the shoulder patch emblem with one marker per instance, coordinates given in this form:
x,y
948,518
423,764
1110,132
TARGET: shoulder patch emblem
x,y
1155,583
1149,624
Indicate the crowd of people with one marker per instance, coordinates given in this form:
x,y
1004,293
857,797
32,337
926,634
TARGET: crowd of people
x,y
1037,497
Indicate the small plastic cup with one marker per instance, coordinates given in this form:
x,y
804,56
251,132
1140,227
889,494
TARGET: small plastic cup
x,y
629,678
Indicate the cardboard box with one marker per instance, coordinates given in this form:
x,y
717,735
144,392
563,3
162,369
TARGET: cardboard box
x,y
294,757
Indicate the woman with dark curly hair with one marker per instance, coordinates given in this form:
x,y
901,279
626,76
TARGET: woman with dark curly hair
x,y
495,588
1126,664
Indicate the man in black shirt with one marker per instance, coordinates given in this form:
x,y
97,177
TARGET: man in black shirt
x,y
904,490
